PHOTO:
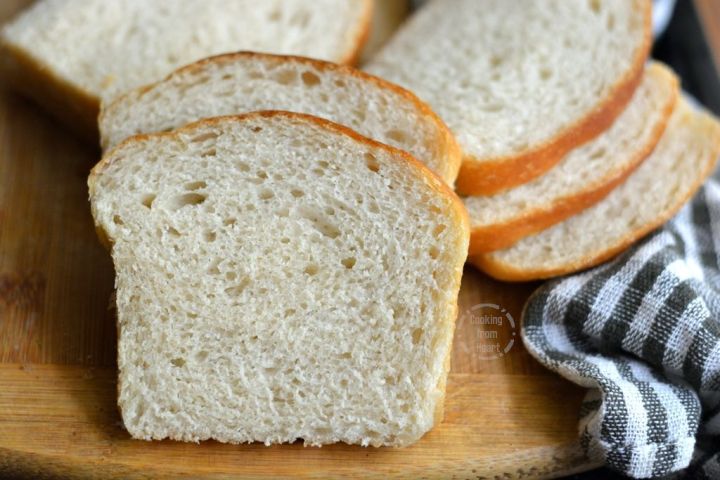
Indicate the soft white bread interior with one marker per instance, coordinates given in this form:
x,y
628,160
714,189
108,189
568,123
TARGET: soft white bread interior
x,y
584,177
519,83
82,51
246,82
684,157
279,277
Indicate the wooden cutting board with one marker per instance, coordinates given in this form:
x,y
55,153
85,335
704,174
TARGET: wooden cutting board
x,y
506,416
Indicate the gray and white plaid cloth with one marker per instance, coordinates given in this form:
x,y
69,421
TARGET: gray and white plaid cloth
x,y
642,333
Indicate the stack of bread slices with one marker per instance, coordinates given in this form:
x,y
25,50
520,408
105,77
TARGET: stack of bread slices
x,y
287,245
287,241
574,144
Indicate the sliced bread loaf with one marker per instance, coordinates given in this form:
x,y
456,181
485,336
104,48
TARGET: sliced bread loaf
x,y
70,54
279,277
520,83
581,179
684,157
246,82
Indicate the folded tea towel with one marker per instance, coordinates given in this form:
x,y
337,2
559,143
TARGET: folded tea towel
x,y
642,333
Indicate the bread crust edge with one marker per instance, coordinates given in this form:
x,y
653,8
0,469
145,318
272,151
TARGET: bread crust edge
x,y
495,175
506,272
450,147
488,238
65,101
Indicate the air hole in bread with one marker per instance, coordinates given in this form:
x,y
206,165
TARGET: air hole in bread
x,y
192,186
230,276
311,269
201,356
203,137
599,153
297,193
345,355
373,207
310,79
434,252
266,194
214,267
229,222
172,231
349,262
594,6
360,114
417,335
545,73
117,220
319,223
439,229
285,76
237,290
496,61
210,152
147,200
256,129
399,136
209,236
285,240
372,163
187,199
323,97
178,362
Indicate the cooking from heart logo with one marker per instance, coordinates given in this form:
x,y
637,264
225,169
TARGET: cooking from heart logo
x,y
491,330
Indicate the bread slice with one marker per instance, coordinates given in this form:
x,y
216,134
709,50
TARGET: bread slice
x,y
584,177
279,277
520,83
386,18
70,54
684,157
246,82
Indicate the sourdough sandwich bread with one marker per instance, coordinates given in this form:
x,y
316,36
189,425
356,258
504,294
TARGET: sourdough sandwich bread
x,y
581,179
684,157
246,82
513,80
71,54
279,277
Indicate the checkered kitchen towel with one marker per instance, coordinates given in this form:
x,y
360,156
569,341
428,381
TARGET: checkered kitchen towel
x,y
642,333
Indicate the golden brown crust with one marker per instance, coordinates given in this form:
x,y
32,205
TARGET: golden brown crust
x,y
495,175
76,108
488,238
447,141
506,272
352,57
460,220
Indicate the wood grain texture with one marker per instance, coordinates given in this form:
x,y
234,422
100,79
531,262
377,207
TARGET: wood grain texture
x,y
505,416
